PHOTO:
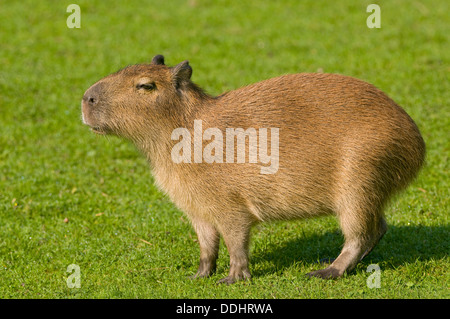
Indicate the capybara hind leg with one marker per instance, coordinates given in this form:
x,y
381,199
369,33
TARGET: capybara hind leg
x,y
208,238
362,233
380,231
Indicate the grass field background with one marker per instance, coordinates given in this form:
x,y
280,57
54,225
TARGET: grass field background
x,y
68,196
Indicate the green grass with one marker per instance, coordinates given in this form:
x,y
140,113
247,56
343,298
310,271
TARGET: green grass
x,y
68,196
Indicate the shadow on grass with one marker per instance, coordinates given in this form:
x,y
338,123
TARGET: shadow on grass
x,y
400,245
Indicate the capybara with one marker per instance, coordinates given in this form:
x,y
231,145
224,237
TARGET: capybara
x,y
294,146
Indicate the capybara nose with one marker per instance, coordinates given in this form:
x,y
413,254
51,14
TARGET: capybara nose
x,y
92,95
91,99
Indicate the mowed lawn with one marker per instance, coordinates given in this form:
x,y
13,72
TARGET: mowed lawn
x,y
68,196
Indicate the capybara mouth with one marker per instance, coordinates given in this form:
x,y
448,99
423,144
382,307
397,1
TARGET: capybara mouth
x,y
98,130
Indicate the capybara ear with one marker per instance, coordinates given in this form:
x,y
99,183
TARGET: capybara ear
x,y
182,72
158,59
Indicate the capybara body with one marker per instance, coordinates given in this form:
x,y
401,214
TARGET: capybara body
x,y
343,147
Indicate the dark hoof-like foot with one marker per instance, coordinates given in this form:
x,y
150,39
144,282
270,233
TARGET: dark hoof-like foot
x,y
197,275
232,279
205,269
327,273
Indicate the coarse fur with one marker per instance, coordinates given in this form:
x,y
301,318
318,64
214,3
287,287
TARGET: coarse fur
x,y
345,148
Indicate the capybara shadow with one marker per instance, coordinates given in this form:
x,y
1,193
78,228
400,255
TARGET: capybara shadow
x,y
400,245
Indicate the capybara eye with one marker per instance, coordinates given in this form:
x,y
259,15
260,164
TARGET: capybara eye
x,y
146,86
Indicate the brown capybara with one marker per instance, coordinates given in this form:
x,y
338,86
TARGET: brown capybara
x,y
295,146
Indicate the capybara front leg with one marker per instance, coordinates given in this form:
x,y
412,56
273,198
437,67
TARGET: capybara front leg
x,y
208,238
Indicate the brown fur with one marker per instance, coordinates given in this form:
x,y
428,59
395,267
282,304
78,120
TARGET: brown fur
x,y
344,149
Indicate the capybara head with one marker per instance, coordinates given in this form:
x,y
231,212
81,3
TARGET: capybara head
x,y
135,97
